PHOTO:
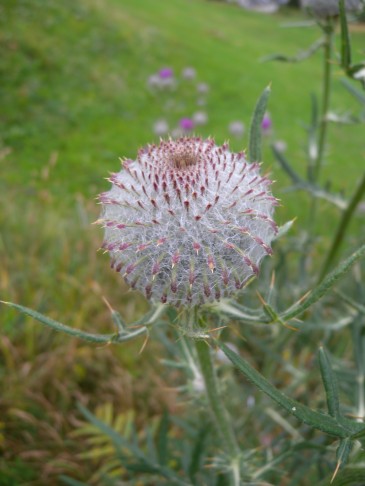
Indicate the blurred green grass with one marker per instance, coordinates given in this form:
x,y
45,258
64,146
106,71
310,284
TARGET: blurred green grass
x,y
74,82
73,100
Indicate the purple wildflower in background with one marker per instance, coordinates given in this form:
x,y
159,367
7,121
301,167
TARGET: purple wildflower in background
x,y
186,124
266,124
166,73
163,79
188,221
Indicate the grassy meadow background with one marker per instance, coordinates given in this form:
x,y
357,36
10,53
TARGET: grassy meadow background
x,y
74,99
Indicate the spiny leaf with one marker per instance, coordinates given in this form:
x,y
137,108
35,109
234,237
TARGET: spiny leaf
x,y
324,286
330,383
255,129
78,333
343,451
348,477
315,419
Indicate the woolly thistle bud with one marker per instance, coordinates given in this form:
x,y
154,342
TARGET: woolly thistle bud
x,y
329,8
188,222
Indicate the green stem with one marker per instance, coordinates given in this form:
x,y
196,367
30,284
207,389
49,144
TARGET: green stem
x,y
328,53
341,230
218,411
358,338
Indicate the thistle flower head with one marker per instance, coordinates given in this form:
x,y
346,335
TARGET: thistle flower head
x,y
188,221
323,9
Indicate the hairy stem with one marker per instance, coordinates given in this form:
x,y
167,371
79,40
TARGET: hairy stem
x,y
327,71
218,411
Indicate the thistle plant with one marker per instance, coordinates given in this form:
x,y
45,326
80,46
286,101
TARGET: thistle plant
x,y
188,223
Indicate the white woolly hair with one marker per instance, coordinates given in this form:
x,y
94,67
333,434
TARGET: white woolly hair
x,y
188,222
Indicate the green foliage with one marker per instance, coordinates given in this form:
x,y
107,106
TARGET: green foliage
x,y
255,142
122,452
74,99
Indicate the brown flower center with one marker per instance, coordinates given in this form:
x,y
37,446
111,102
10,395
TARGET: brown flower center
x,y
183,156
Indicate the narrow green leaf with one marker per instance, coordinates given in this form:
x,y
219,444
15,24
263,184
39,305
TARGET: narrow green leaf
x,y
324,286
284,229
58,326
118,321
356,70
235,311
150,445
286,166
351,302
78,333
359,435
359,95
330,383
142,468
71,482
254,154
301,56
162,439
301,184
327,326
197,453
152,316
348,477
345,38
317,420
343,451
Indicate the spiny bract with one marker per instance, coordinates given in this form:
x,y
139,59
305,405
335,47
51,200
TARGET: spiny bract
x,y
188,222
